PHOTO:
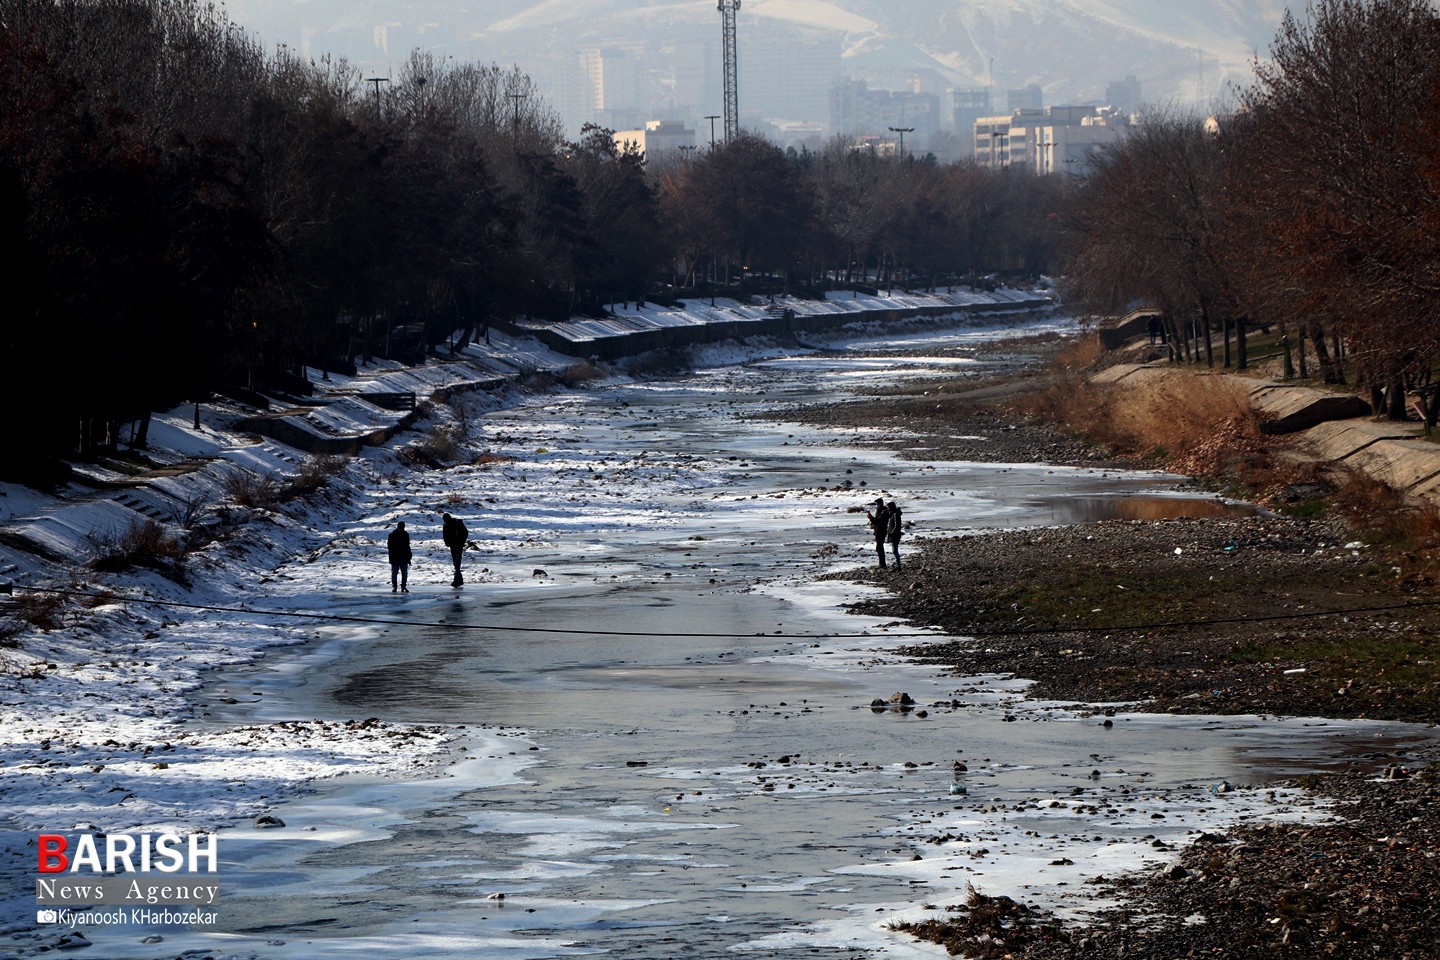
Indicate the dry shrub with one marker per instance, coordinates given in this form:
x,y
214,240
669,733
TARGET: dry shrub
x,y
487,459
662,362
249,488
313,475
1385,516
538,381
441,446
580,373
143,543
41,611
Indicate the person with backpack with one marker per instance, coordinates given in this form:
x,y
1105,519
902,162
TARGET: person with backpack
x,y
894,523
397,546
454,533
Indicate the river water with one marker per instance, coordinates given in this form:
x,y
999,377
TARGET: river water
x,y
672,749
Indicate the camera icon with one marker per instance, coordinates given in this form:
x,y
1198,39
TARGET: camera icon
x,y
46,916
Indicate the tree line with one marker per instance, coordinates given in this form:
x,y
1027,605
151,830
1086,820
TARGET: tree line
x,y
193,213
1313,208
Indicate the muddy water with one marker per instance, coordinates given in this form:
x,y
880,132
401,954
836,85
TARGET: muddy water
x,y
700,769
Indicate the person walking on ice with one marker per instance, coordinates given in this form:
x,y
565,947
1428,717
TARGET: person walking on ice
x,y
894,523
397,545
879,526
454,533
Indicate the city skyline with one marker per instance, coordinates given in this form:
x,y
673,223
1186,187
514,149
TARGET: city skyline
x,y
622,63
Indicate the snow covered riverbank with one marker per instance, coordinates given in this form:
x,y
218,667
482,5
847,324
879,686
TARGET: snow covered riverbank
x,y
99,726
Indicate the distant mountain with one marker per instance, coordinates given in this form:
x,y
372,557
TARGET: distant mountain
x,y
1072,48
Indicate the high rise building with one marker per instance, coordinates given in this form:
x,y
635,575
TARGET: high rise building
x,y
787,74
695,71
968,106
1124,94
1025,98
856,110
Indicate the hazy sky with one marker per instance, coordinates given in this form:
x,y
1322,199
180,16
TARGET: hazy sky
x,y
1180,50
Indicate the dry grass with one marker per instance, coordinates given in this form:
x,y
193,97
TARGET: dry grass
x,y
1385,516
1196,425
1085,353
1193,424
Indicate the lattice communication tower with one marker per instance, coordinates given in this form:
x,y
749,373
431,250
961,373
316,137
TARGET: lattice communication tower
x,y
728,9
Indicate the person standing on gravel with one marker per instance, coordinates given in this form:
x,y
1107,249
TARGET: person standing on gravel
x,y
893,525
454,533
879,526
397,545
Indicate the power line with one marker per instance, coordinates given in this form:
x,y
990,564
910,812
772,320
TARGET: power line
x,y
494,628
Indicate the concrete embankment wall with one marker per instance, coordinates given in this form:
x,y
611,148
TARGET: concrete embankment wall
x,y
343,423
632,343
1322,427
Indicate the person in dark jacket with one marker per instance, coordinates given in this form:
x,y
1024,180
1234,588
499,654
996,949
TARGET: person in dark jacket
x,y
397,545
879,526
454,533
894,523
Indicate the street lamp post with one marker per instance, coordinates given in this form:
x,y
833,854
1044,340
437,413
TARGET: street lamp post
x,y
995,137
902,131
712,118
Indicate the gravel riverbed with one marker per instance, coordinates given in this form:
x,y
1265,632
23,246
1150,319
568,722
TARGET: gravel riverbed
x,y
1259,614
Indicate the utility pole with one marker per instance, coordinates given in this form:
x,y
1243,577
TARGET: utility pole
x,y
902,131
377,81
728,9
712,117
990,88
515,99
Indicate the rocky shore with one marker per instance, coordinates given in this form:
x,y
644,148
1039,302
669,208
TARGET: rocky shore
x,y
1244,614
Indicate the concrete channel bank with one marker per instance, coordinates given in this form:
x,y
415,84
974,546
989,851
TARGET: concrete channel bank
x,y
194,454
346,415
1322,427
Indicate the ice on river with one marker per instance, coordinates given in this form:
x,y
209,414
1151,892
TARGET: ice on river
x,y
666,717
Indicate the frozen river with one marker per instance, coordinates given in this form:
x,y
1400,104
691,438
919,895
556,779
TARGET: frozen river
x,y
671,745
